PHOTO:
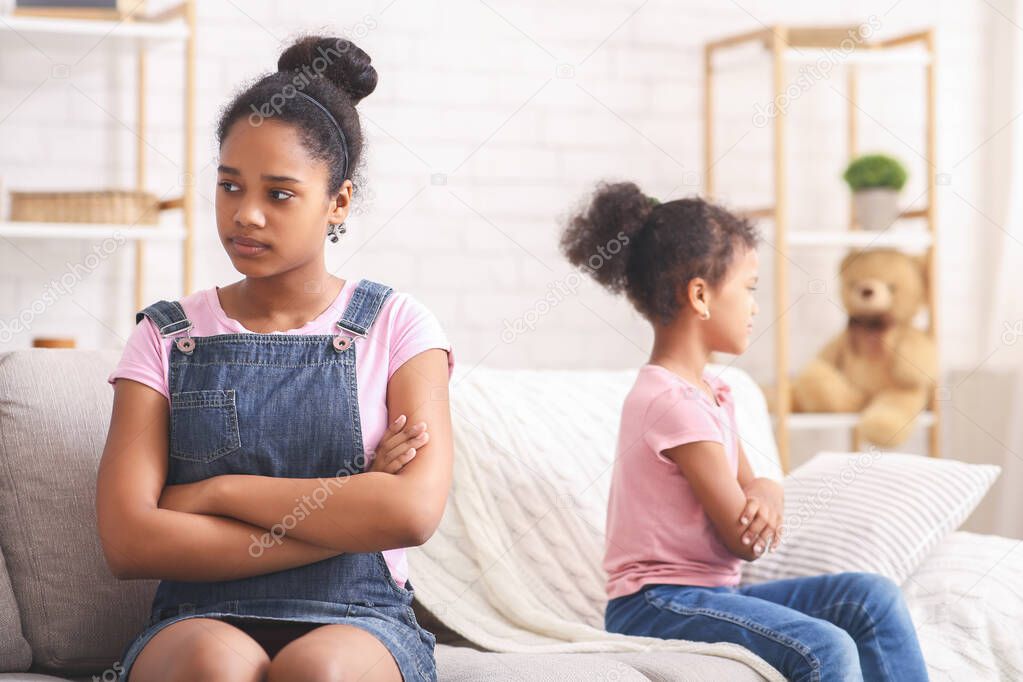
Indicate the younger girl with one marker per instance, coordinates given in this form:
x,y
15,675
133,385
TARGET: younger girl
x,y
685,509
239,468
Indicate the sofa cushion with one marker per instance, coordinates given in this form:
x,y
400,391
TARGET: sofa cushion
x,y
15,654
54,412
35,677
457,664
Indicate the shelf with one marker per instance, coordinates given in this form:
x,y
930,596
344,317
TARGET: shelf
x,y
738,60
138,32
839,420
833,45
89,231
858,57
909,240
901,237
58,34
777,48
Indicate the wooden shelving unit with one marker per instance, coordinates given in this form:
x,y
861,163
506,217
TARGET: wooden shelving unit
x,y
172,26
783,46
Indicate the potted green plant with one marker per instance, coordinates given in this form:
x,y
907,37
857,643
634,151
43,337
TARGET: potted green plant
x,y
875,180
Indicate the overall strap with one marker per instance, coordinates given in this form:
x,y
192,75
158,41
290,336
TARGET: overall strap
x,y
362,310
168,316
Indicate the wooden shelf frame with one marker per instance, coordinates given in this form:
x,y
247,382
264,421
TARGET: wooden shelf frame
x,y
785,45
90,231
142,33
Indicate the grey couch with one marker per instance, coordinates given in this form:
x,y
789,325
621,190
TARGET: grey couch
x,y
64,617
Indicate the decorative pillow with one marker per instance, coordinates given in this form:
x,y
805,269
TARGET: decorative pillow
x,y
873,511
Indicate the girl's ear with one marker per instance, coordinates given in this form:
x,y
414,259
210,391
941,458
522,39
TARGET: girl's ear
x,y
696,295
337,210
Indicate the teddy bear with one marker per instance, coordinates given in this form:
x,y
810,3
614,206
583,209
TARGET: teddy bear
x,y
881,365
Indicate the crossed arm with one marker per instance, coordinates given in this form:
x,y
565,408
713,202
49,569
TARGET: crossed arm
x,y
741,507
209,530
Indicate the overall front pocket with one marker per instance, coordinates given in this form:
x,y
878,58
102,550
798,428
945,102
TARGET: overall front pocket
x,y
204,425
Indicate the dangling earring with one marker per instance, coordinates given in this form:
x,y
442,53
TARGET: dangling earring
x,y
336,231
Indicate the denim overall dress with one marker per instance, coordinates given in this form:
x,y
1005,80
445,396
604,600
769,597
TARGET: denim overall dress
x,y
280,405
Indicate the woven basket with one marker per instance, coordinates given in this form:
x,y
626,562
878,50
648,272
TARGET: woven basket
x,y
112,206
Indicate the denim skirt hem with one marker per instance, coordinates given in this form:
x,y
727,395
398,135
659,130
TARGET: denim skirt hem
x,y
411,645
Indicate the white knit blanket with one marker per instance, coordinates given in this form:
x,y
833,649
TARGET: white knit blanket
x,y
516,563
966,600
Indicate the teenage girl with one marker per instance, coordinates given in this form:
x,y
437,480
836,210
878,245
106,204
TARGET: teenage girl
x,y
685,509
267,457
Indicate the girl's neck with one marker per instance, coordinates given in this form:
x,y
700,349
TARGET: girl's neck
x,y
280,302
679,348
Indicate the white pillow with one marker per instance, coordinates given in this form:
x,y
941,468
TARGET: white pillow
x,y
873,511
753,421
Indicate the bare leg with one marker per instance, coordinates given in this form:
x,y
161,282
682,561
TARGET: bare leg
x,y
335,652
197,649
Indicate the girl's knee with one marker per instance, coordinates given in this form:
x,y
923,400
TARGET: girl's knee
x,y
201,649
836,652
881,590
824,653
874,587
209,659
201,669
334,653
289,668
881,605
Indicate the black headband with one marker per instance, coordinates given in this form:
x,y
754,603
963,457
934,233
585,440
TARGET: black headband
x,y
344,142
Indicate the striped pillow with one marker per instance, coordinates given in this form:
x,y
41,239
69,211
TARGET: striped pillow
x,y
873,511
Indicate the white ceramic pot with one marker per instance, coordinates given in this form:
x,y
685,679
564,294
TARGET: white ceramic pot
x,y
876,208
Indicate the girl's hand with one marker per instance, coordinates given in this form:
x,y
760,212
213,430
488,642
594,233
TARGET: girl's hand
x,y
398,446
192,498
761,520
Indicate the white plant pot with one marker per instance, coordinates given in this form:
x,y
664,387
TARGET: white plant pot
x,y
876,208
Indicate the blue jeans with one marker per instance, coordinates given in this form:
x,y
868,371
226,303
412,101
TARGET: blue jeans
x,y
842,626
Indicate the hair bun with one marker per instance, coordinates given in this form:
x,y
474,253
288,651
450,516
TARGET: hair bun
x,y
339,60
614,213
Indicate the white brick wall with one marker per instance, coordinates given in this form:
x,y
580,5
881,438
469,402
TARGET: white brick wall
x,y
472,90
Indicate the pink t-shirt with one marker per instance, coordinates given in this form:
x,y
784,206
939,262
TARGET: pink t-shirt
x,y
657,530
403,328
